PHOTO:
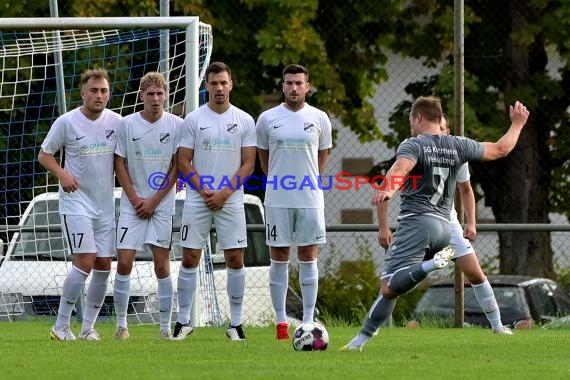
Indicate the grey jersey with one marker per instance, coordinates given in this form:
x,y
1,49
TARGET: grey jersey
x,y
430,186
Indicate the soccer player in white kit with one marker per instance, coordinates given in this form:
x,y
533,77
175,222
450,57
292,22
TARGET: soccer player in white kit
x,y
216,154
87,138
465,258
145,165
293,141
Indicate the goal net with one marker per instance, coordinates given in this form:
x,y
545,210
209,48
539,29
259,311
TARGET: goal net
x,y
39,80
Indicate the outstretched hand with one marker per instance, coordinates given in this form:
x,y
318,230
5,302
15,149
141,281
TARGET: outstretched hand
x,y
519,114
380,196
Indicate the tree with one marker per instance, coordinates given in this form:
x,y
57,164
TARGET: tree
x,y
508,54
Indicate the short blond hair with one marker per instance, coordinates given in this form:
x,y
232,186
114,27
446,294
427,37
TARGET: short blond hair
x,y
153,78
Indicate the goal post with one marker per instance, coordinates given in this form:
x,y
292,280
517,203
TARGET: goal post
x,y
32,82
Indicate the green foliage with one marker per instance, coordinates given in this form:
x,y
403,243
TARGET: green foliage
x,y
348,289
276,33
406,305
563,276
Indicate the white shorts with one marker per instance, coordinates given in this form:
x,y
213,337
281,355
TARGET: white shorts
x,y
461,245
134,232
230,226
87,235
307,224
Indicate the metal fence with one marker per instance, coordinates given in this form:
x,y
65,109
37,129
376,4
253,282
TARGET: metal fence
x,y
511,53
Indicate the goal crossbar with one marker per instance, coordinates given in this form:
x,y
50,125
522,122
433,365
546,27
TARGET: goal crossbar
x,y
54,23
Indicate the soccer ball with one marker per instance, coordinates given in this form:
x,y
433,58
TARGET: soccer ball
x,y
310,336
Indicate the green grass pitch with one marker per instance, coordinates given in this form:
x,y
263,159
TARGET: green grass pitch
x,y
26,352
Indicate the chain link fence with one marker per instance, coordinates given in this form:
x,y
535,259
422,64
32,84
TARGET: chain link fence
x,y
513,51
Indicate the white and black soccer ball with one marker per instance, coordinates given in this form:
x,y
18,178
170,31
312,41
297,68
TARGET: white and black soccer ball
x,y
310,336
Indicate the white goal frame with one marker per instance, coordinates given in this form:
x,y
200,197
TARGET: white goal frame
x,y
194,73
190,24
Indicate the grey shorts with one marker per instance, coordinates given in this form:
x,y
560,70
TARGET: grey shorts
x,y
417,238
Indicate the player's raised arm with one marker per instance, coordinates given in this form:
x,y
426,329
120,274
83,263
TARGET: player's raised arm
x,y
519,116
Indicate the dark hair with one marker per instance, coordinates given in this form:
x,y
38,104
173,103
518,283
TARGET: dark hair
x,y
429,107
216,68
296,69
95,74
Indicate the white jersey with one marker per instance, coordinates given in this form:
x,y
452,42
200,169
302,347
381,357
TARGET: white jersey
x,y
88,147
294,140
462,176
217,141
148,148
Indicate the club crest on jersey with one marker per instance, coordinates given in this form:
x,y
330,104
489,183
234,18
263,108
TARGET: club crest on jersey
x,y
309,127
164,138
232,128
110,134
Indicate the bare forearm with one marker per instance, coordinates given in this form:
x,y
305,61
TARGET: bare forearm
x,y
264,160
122,174
49,162
468,201
172,178
382,214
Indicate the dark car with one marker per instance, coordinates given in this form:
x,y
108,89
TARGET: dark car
x,y
519,298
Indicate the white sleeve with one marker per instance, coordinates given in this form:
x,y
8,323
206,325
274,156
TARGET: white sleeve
x,y
262,138
55,138
463,173
121,147
188,136
325,140
249,136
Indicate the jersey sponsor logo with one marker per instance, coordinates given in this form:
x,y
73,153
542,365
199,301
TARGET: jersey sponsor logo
x,y
153,155
319,237
202,128
110,134
309,127
164,138
278,126
96,149
161,240
79,138
232,128
137,138
218,145
240,241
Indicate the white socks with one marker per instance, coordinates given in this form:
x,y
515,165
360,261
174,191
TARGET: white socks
x,y
187,285
94,298
235,289
278,285
165,294
72,287
122,290
309,281
486,298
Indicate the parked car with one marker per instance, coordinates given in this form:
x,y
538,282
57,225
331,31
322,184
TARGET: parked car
x,y
520,298
35,263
